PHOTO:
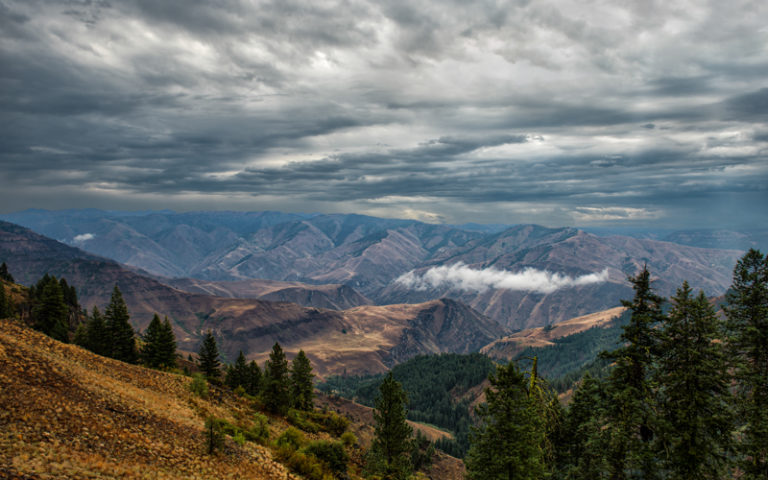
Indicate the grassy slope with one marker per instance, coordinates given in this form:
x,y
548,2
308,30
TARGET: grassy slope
x,y
65,412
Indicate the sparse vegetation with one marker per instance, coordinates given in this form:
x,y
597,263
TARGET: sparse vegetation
x,y
199,386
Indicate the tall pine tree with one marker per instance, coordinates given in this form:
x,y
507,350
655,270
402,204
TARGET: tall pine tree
x,y
5,274
237,375
509,445
50,313
631,414
208,357
276,387
253,387
695,423
5,310
97,335
390,452
302,388
159,350
121,333
747,324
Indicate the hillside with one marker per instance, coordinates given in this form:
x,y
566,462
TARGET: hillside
x,y
329,296
67,413
369,254
509,347
364,339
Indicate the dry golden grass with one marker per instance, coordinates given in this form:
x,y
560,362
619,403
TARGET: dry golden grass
x,y
66,413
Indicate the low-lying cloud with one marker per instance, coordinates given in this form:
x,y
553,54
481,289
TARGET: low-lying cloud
x,y
462,277
83,237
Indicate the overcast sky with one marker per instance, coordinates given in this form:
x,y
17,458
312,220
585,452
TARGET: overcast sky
x,y
553,112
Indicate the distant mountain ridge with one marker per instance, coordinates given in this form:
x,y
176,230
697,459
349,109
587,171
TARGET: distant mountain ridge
x,y
364,339
368,254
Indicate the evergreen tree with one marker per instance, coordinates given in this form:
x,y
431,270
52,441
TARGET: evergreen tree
x,y
237,375
509,443
159,350
276,386
5,310
583,452
49,310
390,452
253,387
302,388
747,324
208,357
166,346
631,405
121,334
692,374
5,274
98,339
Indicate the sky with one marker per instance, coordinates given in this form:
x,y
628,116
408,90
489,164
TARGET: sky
x,y
586,113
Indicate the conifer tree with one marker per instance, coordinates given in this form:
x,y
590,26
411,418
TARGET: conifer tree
x,y
583,454
97,335
5,274
631,405
159,350
695,427
390,452
237,375
302,388
50,311
747,325
208,357
253,386
5,311
167,345
276,386
121,333
509,443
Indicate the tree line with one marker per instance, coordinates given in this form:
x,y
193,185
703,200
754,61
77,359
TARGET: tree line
x,y
686,397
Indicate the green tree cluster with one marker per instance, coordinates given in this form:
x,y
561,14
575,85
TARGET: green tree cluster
x,y
159,349
686,395
50,313
276,394
245,375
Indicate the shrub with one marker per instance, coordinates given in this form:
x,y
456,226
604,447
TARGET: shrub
x,y
349,439
292,438
239,438
239,391
259,432
199,386
314,422
306,466
330,453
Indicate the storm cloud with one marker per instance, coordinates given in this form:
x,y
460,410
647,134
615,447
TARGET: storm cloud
x,y
553,112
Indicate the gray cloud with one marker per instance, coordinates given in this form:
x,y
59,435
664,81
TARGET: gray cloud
x,y
485,111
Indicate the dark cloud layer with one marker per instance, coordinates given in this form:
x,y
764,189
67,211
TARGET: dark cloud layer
x,y
554,112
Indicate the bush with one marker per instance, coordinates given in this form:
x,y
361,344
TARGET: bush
x,y
292,438
349,439
239,391
199,386
330,453
259,432
305,465
239,438
314,422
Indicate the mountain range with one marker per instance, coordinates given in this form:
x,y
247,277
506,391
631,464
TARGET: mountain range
x,y
237,254
361,339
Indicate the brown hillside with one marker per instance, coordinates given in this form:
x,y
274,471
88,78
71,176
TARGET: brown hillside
x,y
66,413
511,345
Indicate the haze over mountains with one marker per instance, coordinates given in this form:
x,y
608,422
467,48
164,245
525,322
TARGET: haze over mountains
x,y
368,255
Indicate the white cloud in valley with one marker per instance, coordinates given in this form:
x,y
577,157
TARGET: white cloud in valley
x,y
461,277
83,237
